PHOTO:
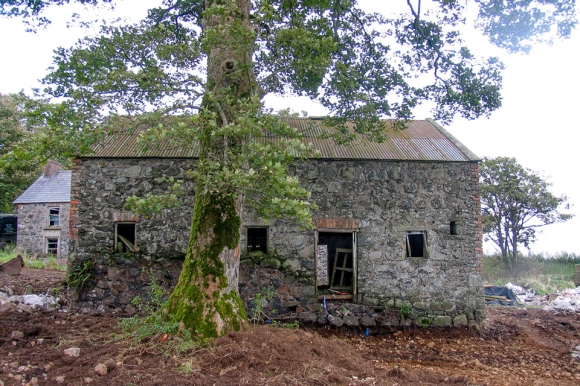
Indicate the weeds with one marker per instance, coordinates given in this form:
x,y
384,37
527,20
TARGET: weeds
x,y
405,310
9,252
81,275
266,294
544,273
424,322
155,328
294,324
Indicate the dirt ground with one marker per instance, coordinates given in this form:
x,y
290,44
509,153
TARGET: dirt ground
x,y
515,346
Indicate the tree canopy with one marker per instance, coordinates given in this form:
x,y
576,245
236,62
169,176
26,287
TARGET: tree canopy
x,y
515,202
14,179
211,62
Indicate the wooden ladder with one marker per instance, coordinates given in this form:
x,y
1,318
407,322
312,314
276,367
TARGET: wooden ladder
x,y
341,269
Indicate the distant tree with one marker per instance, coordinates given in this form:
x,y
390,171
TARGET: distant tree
x,y
14,178
213,61
515,202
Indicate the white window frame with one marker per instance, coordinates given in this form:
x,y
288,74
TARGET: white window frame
x,y
48,240
50,208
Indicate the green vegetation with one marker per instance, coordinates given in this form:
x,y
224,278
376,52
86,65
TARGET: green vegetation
x,y
80,275
14,131
544,273
8,253
425,322
405,310
294,324
155,328
212,62
267,293
515,201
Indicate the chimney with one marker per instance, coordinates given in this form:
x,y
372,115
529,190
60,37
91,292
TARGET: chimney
x,y
51,168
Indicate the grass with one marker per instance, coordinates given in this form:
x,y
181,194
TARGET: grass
x,y
10,252
542,272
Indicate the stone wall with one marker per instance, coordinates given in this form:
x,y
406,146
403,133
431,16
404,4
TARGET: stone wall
x,y
33,228
98,193
384,199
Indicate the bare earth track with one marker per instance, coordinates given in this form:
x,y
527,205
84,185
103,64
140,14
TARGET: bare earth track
x,y
515,346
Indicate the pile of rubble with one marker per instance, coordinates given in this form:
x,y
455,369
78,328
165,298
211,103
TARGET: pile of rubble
x,y
25,300
28,301
567,300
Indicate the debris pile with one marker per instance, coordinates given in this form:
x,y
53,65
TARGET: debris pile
x,y
524,295
567,300
26,302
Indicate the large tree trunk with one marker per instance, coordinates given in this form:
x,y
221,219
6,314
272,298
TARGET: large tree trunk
x,y
206,299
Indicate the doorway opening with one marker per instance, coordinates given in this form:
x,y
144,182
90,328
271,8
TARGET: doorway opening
x,y
336,262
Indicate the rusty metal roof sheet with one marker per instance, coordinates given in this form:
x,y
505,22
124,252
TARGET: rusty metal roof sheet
x,y
423,140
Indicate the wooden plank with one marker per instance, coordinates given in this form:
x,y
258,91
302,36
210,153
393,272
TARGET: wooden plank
x,y
129,244
322,265
335,297
502,298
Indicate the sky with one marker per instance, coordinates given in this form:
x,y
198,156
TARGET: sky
x,y
537,124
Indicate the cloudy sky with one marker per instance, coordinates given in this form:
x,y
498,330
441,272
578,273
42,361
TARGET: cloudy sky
x,y
537,124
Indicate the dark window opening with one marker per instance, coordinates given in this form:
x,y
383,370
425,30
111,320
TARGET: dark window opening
x,y
257,240
52,246
53,217
417,244
125,240
340,260
453,228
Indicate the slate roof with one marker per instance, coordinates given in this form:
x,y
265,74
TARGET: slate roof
x,y
54,189
423,140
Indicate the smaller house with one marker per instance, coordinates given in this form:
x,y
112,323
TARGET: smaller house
x,y
43,213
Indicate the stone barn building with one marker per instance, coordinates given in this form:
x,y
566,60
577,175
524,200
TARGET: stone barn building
x,y
397,227
43,214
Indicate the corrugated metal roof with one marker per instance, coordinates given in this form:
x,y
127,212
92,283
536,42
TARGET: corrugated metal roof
x,y
423,140
45,189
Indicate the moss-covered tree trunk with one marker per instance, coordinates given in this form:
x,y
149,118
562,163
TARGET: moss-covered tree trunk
x,y
206,299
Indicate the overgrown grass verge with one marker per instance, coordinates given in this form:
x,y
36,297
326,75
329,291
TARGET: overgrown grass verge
x,y
544,273
10,252
157,332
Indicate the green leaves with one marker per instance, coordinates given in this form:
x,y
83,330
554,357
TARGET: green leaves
x,y
361,66
515,201
15,136
251,156
151,203
517,25
130,69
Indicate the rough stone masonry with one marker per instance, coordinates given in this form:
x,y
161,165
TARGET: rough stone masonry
x,y
380,202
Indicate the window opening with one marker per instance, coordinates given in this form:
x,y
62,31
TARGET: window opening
x,y
257,240
53,217
340,265
453,228
52,246
125,240
417,244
